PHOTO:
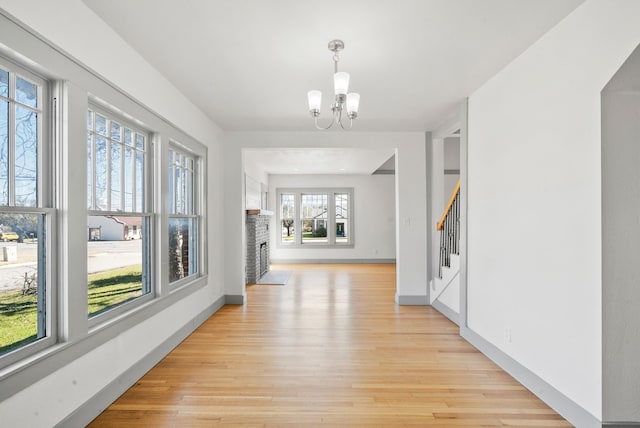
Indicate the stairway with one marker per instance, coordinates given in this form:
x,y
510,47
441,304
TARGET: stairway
x,y
444,292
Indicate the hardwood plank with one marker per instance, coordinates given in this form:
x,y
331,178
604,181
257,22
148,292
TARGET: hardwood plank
x,y
330,348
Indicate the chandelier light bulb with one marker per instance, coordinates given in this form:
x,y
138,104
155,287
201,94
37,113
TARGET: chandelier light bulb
x,y
341,83
353,102
315,100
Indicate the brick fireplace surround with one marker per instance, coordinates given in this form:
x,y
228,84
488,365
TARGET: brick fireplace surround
x,y
257,227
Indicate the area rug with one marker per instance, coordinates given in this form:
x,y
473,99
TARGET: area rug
x,y
275,277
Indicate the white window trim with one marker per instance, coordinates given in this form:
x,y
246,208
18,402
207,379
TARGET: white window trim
x,y
77,85
331,217
198,202
148,165
149,269
48,91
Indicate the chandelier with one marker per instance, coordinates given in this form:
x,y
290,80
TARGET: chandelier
x,y
343,100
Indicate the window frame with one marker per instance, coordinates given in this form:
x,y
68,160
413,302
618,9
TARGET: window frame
x,y
47,148
331,192
196,207
149,287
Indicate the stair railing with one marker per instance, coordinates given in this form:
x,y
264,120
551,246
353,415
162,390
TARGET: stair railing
x,y
449,227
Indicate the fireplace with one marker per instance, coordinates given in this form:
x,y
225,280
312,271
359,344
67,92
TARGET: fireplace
x,y
264,259
258,259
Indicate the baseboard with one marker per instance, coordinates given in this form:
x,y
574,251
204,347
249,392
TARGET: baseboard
x,y
100,401
234,299
620,424
332,261
559,402
412,300
446,311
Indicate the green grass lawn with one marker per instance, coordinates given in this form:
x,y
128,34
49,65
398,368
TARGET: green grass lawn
x,y
17,319
18,313
110,288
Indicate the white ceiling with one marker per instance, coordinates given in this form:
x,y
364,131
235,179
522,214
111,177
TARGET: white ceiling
x,y
316,161
248,64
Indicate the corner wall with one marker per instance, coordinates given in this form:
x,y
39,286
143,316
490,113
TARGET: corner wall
x,y
621,243
534,246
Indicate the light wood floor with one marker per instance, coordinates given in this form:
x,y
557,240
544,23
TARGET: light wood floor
x,y
330,348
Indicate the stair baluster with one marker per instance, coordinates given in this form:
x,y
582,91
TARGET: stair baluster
x,y
449,227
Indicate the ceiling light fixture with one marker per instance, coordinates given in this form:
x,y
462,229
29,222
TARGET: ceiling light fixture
x,y
343,100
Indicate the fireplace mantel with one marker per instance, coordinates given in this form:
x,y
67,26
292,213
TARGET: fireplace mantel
x,y
259,212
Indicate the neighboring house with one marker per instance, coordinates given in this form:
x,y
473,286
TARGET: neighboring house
x,y
111,228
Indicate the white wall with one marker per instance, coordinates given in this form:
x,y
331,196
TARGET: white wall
x,y
450,297
621,243
374,221
534,242
411,247
71,26
256,181
451,162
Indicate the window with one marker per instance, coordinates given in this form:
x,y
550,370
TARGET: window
x,y
342,217
27,217
314,208
315,217
184,220
288,216
119,222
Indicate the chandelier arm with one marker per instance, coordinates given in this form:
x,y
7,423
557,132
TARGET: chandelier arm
x,y
342,126
324,128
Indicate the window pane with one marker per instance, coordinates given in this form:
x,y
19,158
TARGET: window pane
x,y
101,173
4,83
128,179
182,248
115,131
342,217
26,157
101,125
287,215
116,261
89,173
178,191
22,283
140,142
314,217
140,182
172,190
190,193
128,136
26,92
4,153
115,176
183,190
183,232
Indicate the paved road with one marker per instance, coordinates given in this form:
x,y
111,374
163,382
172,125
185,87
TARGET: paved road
x,y
103,255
